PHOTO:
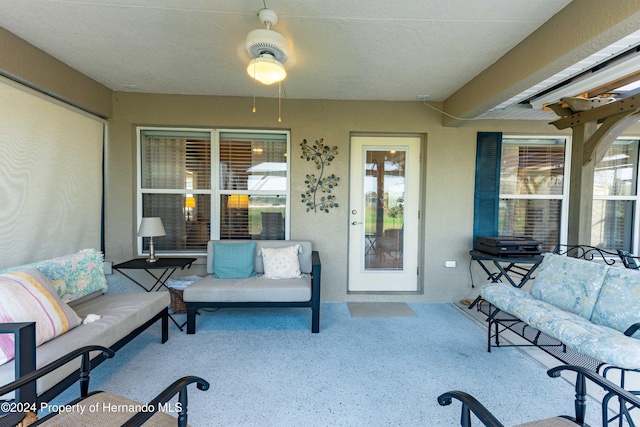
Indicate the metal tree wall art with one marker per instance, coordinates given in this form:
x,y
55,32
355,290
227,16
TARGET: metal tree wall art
x,y
322,155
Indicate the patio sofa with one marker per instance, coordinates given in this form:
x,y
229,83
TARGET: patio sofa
x,y
591,307
67,293
260,273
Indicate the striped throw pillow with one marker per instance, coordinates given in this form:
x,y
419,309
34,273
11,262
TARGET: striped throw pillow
x,y
28,296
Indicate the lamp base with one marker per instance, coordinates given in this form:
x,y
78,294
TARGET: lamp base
x,y
152,252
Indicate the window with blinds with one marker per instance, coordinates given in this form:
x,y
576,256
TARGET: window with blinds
x,y
175,171
531,189
253,185
615,195
186,175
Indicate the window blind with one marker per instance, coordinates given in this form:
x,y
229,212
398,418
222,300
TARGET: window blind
x,y
51,177
176,182
531,188
253,185
615,196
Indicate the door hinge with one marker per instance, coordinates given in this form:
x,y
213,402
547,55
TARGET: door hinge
x,y
417,271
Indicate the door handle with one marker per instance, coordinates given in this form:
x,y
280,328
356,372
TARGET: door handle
x,y
355,223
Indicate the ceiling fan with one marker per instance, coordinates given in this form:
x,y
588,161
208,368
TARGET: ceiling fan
x,y
269,50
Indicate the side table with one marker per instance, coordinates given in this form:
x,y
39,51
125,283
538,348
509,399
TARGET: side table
x,y
522,266
167,266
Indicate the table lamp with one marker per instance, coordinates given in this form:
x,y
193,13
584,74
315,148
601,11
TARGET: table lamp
x,y
238,201
151,227
189,204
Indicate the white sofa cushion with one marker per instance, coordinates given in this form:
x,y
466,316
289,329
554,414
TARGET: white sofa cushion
x,y
252,289
305,255
120,315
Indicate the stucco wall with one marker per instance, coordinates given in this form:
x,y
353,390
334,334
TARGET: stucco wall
x,y
449,159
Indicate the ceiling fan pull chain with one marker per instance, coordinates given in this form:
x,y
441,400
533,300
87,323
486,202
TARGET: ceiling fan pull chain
x,y
279,102
254,89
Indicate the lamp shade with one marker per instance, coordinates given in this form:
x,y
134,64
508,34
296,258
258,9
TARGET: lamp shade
x,y
190,202
151,227
238,201
266,69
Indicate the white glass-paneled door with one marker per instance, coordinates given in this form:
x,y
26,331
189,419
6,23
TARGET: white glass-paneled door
x,y
384,201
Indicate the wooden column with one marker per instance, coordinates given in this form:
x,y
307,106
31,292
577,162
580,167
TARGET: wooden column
x,y
594,130
581,186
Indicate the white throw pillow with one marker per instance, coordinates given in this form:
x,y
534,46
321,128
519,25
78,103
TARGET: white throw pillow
x,y
281,263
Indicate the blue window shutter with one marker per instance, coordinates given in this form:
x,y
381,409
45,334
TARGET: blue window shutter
x,y
487,189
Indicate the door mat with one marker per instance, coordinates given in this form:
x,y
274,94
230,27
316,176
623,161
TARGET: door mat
x,y
380,309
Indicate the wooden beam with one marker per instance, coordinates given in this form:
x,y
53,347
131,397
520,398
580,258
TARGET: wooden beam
x,y
608,131
631,103
616,131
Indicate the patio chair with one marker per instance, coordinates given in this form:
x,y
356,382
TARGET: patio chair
x,y
97,404
272,226
391,244
471,405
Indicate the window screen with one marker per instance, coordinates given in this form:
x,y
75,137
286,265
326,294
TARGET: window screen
x,y
51,175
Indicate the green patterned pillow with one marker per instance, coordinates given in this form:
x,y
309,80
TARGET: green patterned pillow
x,y
73,276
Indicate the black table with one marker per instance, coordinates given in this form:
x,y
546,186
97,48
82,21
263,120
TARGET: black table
x,y
168,267
521,266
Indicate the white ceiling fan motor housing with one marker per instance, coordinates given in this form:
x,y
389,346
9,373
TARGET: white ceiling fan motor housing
x,y
266,40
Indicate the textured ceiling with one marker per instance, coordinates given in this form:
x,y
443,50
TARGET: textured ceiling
x,y
340,49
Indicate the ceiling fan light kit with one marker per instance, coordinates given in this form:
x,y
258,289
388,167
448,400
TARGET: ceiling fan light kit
x,y
266,69
269,50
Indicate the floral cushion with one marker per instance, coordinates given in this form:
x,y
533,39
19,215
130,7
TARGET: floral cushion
x,y
28,296
569,283
73,276
597,341
615,349
618,304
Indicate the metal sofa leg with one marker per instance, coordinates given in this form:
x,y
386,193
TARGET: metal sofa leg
x,y
315,319
191,320
165,325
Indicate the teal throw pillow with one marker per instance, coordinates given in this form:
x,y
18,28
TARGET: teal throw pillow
x,y
233,260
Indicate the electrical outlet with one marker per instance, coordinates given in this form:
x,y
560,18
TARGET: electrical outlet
x,y
450,264
422,97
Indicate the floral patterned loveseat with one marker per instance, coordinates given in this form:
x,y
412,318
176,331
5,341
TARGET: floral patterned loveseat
x,y
590,307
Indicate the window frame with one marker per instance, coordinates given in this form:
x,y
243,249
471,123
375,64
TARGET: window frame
x,y
214,191
564,226
564,197
635,198
215,179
